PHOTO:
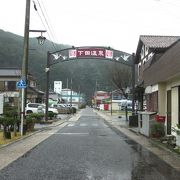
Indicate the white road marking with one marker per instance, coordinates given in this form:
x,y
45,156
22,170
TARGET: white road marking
x,y
71,124
73,133
83,124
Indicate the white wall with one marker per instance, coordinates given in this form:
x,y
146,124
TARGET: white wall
x,y
174,105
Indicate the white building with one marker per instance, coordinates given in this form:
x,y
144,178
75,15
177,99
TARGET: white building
x,y
71,96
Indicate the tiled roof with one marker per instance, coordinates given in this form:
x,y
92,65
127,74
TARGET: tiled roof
x,y
158,41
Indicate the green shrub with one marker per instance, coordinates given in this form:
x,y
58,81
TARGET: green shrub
x,y
157,130
30,122
35,116
51,115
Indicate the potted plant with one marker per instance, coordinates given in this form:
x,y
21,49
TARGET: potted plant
x,y
157,130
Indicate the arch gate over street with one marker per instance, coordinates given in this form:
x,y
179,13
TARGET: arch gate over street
x,y
89,52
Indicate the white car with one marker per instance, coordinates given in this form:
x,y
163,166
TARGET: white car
x,y
50,109
39,108
34,108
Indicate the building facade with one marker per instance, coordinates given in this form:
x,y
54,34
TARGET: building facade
x,y
8,80
159,74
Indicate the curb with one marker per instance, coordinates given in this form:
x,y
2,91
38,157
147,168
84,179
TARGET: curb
x,y
31,134
172,157
40,130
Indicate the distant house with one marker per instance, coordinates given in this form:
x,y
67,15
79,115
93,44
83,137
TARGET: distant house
x,y
158,59
69,96
8,80
100,96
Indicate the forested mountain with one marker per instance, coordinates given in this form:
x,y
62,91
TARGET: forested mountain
x,y
87,75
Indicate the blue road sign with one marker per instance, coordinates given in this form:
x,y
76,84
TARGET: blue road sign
x,y
21,84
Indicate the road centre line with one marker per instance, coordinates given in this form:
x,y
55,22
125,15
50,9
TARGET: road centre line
x,y
71,133
83,124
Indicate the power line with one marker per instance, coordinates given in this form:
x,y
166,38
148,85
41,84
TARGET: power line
x,y
43,22
55,37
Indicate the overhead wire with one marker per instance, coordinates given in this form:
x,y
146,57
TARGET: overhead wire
x,y
45,24
50,24
49,29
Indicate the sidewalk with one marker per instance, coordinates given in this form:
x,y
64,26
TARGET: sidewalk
x,y
12,151
162,152
59,120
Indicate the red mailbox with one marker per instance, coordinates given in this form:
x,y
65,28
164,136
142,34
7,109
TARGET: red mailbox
x,y
106,107
160,118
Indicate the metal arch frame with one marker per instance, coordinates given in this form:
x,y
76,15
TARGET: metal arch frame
x,y
58,56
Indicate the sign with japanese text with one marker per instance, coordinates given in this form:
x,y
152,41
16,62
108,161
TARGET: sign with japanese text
x,y
91,53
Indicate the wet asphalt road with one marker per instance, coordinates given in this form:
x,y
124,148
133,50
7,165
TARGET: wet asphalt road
x,y
88,149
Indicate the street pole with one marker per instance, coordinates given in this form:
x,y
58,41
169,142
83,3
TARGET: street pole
x,y
133,84
24,70
111,100
96,95
79,98
47,85
67,93
71,97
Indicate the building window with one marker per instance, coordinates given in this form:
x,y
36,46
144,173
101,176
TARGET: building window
x,y
139,69
150,56
144,60
152,102
10,85
142,52
2,86
146,50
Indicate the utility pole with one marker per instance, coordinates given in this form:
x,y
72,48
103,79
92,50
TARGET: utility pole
x,y
133,84
96,95
79,98
24,70
111,99
47,70
67,96
71,97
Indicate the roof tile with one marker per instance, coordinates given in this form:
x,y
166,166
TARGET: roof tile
x,y
158,41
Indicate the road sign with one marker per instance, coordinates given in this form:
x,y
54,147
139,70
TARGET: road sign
x,y
21,84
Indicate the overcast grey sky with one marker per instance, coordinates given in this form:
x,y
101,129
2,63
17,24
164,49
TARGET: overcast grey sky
x,y
114,23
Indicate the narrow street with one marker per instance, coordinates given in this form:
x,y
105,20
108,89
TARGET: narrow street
x,y
88,149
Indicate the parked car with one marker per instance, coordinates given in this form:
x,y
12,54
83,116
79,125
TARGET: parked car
x,y
125,103
34,108
50,109
61,108
38,108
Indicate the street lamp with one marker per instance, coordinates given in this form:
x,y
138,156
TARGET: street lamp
x,y
41,39
24,71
